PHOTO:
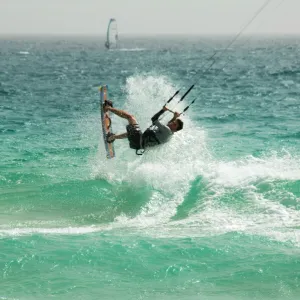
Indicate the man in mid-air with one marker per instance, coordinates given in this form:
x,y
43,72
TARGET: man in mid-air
x,y
156,134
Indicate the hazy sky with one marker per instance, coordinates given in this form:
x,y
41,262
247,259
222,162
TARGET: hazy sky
x,y
147,16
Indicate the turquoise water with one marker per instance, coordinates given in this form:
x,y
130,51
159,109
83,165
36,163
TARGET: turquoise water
x,y
214,214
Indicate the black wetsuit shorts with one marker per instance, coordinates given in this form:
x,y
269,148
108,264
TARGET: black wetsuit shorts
x,y
134,136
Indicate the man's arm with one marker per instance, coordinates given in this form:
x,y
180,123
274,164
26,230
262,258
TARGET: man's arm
x,y
120,136
175,116
154,119
117,137
158,114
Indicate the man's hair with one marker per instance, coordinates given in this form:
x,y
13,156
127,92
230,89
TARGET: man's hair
x,y
179,124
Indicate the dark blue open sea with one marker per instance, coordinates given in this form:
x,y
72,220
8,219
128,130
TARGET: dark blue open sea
x,y
214,214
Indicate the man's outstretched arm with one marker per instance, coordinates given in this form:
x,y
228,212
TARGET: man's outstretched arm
x,y
117,137
120,136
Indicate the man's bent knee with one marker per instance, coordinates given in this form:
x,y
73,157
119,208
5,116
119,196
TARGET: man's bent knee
x,y
132,120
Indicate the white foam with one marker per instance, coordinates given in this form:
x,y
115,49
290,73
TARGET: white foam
x,y
276,166
171,168
60,231
146,95
132,49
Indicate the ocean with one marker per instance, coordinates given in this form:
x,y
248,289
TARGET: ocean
x,y
213,214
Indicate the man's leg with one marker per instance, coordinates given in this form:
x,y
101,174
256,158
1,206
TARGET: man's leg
x,y
121,113
133,125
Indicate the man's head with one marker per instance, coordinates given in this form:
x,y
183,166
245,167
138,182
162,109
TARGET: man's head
x,y
176,125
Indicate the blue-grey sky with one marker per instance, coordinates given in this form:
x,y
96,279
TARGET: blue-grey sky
x,y
147,16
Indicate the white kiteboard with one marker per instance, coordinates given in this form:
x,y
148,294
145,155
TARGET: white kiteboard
x,y
106,122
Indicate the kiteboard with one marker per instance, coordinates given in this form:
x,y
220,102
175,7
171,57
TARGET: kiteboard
x,y
106,122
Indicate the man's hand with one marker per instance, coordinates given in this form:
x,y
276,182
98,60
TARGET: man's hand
x,y
176,115
111,138
106,108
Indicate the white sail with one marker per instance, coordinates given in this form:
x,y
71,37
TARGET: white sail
x,y
112,35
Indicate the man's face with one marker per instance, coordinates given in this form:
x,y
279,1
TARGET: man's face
x,y
173,126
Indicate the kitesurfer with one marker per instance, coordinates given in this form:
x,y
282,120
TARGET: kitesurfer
x,y
156,134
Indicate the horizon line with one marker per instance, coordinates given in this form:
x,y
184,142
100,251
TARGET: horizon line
x,y
144,35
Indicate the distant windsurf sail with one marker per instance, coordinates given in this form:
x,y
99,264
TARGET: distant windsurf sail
x,y
112,37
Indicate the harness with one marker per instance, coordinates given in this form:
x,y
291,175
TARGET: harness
x,y
139,141
148,136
